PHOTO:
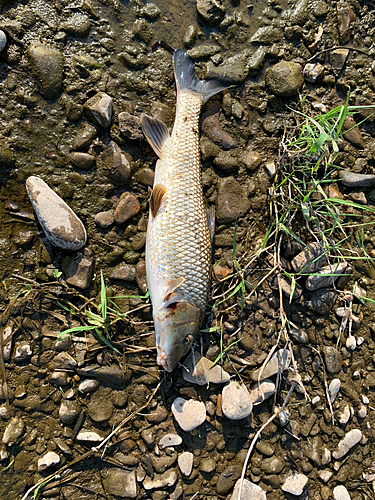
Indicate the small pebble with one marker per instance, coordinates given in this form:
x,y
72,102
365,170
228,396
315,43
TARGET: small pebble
x,y
89,437
362,412
344,415
315,400
23,353
185,463
365,400
3,41
341,493
334,388
350,439
48,460
294,483
351,179
200,370
351,343
280,360
88,385
236,402
99,109
189,414
325,475
170,440
284,417
262,391
249,491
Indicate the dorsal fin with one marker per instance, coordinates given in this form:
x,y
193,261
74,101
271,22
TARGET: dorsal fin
x,y
156,198
156,133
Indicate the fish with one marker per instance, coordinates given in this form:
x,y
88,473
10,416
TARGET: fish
x,y
178,240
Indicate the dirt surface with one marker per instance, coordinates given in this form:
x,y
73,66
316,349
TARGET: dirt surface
x,y
55,57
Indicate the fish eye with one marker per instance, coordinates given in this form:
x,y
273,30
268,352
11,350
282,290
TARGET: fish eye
x,y
187,339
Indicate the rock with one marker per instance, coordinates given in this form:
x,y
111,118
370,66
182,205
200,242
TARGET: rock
x,y
198,370
99,109
310,259
300,13
13,431
77,25
69,411
84,137
338,58
146,176
23,352
211,11
189,414
256,61
3,41
322,280
332,359
261,392
322,301
249,491
340,493
160,481
325,475
294,483
79,269
226,162
127,207
140,276
234,67
312,72
105,219
236,403
47,67
207,465
211,128
60,224
333,389
124,272
285,78
89,437
352,133
170,440
108,374
284,417
232,200
84,161
299,336
74,112
356,180
130,126
227,479
114,164
100,408
88,385
48,460
185,463
350,439
345,18
279,361
251,159
7,158
267,35
203,52
344,415
121,483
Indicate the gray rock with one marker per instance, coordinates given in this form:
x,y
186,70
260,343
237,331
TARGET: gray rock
x,y
100,408
236,402
60,224
350,439
251,159
332,359
89,437
207,465
333,389
313,72
114,164
351,179
211,127
48,460
249,491
294,483
340,493
84,137
322,280
105,219
185,463
227,479
198,370
23,352
69,411
121,483
234,68
88,385
272,465
203,52
3,41
352,133
211,11
279,361
310,259
77,25
170,440
124,272
232,200
79,269
267,35
99,109
13,431
108,374
298,335
261,392
84,161
140,276
322,301
160,481
130,126
146,176
285,78
226,162
189,414
300,13
47,67
64,361
127,207
338,59
344,415
256,60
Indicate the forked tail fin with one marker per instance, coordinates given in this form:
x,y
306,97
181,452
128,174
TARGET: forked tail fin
x,y
184,72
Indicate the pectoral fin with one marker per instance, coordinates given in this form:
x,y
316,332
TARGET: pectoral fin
x,y
156,133
156,198
171,286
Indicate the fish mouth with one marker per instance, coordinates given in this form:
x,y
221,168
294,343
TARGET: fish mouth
x,y
162,360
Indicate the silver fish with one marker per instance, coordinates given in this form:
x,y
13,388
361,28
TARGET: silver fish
x,y
178,244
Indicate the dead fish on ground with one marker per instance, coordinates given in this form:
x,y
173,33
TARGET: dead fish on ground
x,y
178,244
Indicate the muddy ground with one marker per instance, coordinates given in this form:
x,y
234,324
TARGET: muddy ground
x,y
56,55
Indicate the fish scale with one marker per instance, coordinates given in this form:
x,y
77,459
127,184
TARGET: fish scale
x,y
178,239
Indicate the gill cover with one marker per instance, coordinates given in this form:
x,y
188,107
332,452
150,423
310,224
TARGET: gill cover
x,y
176,326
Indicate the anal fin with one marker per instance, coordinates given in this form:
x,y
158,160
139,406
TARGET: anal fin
x,y
156,198
156,133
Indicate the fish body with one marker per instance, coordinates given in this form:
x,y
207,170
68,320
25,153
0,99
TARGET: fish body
x,y
178,243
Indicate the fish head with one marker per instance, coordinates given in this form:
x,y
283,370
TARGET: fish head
x,y
176,326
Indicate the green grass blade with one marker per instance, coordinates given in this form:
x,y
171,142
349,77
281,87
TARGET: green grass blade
x,y
76,329
106,341
103,297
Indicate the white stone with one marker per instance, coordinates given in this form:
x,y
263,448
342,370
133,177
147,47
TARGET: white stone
x,y
4,412
88,385
341,493
333,389
189,414
99,109
261,392
13,431
49,460
185,463
279,361
3,41
200,370
325,475
89,437
295,483
360,341
23,352
160,481
236,403
351,343
249,491
284,417
350,439
362,412
326,456
365,400
60,224
344,415
315,400
170,440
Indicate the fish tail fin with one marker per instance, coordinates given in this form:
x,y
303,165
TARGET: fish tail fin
x,y
184,71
